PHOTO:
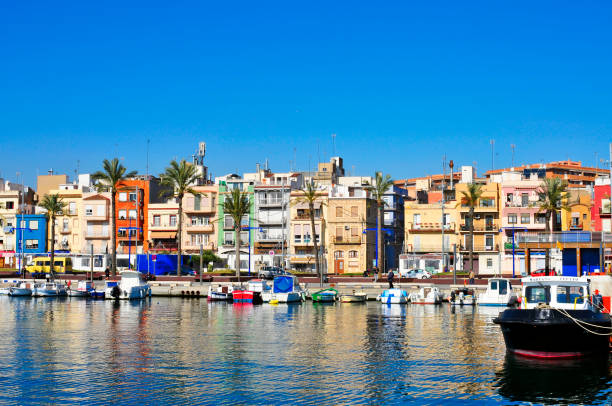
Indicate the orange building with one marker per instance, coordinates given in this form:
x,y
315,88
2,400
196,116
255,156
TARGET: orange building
x,y
132,207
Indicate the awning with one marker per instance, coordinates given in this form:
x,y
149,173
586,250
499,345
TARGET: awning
x,y
163,235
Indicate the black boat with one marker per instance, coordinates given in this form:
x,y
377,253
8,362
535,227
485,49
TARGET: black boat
x,y
556,320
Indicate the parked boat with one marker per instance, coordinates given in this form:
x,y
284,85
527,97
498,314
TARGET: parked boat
x,y
47,289
393,296
84,289
23,289
6,286
285,289
556,320
499,293
462,297
220,293
426,295
327,295
132,286
252,293
355,297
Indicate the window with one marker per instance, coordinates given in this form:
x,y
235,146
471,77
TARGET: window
x,y
31,244
339,233
228,238
503,287
540,218
489,241
228,222
354,232
122,196
524,199
338,254
10,205
245,221
338,211
172,220
156,220
487,202
307,234
354,211
489,262
570,294
511,218
297,231
353,254
122,214
197,202
244,237
72,208
22,224
65,225
525,218
537,294
133,214
89,210
33,224
132,196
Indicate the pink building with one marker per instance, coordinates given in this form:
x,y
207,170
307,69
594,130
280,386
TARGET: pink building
x,y
600,211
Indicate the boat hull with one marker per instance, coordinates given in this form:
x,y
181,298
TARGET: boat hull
x,y
353,298
20,292
78,293
290,297
219,297
324,298
134,293
247,296
547,333
393,300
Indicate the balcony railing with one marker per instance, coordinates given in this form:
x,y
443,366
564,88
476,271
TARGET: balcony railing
x,y
430,227
494,227
479,247
205,228
563,237
340,239
270,202
98,234
604,211
269,237
305,217
163,225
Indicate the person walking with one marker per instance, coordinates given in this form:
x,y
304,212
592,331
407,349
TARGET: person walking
x,y
390,277
107,272
471,277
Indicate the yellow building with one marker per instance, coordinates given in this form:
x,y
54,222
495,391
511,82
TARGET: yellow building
x,y
301,256
351,218
68,226
578,216
200,220
487,237
94,214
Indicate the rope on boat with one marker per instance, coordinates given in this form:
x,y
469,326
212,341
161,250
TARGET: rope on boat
x,y
578,323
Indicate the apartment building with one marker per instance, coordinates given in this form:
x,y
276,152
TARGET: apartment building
x,y
95,215
600,210
351,228
68,225
162,219
301,255
200,219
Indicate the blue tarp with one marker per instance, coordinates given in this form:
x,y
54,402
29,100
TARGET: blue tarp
x,y
283,284
165,264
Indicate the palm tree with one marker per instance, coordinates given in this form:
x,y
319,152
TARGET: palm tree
x,y
54,206
378,189
310,196
180,177
237,204
470,199
109,178
552,198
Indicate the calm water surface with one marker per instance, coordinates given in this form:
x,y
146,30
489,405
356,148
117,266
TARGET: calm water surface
x,y
175,351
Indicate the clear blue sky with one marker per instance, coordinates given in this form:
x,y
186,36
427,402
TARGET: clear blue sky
x,y
401,84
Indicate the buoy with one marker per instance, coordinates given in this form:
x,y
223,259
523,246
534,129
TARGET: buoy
x,y
274,301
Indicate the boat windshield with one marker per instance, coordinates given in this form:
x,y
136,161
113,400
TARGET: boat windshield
x,y
537,294
503,287
570,294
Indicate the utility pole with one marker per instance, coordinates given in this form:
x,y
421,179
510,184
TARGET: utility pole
x,y
455,264
512,146
492,154
91,261
443,201
201,255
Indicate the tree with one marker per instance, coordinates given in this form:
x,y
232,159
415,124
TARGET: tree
x,y
109,178
552,198
310,195
237,204
179,177
470,199
54,206
378,189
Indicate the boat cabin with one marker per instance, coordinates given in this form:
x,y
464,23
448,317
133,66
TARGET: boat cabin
x,y
562,292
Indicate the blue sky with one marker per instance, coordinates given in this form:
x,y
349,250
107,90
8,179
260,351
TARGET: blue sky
x,y
400,83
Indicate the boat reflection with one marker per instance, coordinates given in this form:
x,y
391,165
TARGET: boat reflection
x,y
577,381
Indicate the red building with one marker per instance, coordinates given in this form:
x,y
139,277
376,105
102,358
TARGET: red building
x,y
600,211
132,206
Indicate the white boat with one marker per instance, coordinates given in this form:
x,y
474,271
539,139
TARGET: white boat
x,y
84,289
220,293
426,295
285,289
23,289
462,297
499,293
132,286
393,296
6,286
355,297
47,289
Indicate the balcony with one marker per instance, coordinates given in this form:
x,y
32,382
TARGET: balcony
x,y
270,202
604,211
305,242
302,258
96,217
305,217
203,209
230,243
478,228
97,235
430,227
268,237
480,247
340,239
521,204
189,246
200,228
65,231
163,227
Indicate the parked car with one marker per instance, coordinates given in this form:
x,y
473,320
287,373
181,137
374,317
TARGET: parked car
x,y
417,274
269,272
543,272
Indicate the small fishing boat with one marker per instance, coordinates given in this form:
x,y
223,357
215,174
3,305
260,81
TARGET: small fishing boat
x,y
327,295
558,318
499,293
49,289
393,296
83,289
23,289
355,297
252,293
426,295
462,297
220,293
6,286
285,289
132,286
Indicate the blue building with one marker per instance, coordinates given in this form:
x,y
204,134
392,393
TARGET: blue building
x,y
33,232
394,225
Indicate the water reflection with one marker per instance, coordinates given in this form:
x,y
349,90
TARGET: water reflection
x,y
585,381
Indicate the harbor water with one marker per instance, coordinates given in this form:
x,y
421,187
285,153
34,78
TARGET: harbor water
x,y
181,351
